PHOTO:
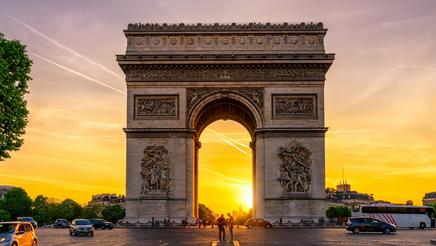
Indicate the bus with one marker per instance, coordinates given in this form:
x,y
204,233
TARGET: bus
x,y
403,216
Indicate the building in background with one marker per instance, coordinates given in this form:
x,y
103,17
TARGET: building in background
x,y
4,189
107,199
344,195
429,198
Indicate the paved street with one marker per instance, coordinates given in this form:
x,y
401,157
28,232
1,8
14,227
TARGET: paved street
x,y
195,236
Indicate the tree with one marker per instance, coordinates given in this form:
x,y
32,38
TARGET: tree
x,y
113,213
91,211
4,215
205,213
17,203
14,75
340,213
69,209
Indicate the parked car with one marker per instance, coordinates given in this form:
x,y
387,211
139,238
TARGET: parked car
x,y
61,223
17,233
30,220
81,227
101,223
250,223
357,225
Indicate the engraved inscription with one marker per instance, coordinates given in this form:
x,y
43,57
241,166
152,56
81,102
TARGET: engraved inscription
x,y
294,105
160,106
294,173
225,75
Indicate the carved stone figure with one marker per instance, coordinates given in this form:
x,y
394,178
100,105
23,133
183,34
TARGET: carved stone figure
x,y
155,171
161,106
295,168
294,105
255,95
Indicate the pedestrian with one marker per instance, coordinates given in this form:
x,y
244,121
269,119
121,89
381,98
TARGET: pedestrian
x,y
230,224
221,221
199,223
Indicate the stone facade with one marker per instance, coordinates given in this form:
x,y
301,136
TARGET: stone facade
x,y
268,77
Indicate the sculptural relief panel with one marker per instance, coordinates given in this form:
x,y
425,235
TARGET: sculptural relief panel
x,y
156,106
295,168
155,171
294,106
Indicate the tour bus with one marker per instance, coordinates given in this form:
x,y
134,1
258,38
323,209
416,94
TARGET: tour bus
x,y
403,216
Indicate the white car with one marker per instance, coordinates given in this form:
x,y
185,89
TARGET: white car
x,y
81,227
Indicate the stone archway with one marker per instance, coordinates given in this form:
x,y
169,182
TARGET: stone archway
x,y
268,77
221,105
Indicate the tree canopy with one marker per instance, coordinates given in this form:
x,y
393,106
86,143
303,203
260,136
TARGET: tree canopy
x,y
14,74
17,203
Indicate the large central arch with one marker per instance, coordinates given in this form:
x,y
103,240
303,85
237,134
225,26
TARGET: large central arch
x,y
223,105
268,77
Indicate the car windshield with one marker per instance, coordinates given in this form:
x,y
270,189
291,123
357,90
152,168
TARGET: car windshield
x,y
7,228
82,222
26,219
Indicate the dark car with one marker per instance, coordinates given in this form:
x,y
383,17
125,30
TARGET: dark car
x,y
101,224
30,220
250,223
61,223
357,225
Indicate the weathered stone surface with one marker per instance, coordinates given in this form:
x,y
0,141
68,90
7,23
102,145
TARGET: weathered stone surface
x,y
180,78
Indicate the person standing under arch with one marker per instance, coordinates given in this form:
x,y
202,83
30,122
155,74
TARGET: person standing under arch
x,y
221,222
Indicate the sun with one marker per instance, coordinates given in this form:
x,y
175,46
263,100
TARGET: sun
x,y
247,197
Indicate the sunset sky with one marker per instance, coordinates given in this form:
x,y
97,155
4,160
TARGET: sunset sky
x,y
380,95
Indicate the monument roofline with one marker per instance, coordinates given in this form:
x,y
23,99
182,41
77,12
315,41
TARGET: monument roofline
x,y
224,28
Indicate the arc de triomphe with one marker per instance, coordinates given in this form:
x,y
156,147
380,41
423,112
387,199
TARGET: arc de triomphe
x,y
268,77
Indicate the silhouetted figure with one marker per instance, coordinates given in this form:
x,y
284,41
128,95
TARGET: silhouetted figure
x,y
152,221
221,222
230,224
281,220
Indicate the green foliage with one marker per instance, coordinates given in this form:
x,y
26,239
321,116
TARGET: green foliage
x,y
331,212
17,203
205,213
338,212
113,213
4,215
69,209
91,211
14,75
432,205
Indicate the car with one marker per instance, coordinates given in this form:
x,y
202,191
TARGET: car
x,y
256,222
16,233
101,223
30,220
61,223
357,225
81,227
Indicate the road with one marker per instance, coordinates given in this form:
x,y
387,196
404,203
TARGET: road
x,y
255,237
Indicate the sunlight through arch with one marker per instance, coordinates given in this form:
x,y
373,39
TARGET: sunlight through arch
x,y
225,167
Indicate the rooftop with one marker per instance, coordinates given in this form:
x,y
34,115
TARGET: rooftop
x,y
219,27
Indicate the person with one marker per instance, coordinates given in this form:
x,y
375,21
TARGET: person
x,y
221,221
230,226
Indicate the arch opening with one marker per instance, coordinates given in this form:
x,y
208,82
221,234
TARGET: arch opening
x,y
227,113
225,169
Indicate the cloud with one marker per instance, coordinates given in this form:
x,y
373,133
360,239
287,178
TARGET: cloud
x,y
75,53
78,73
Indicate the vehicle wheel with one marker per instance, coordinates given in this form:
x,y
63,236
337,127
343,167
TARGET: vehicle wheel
x,y
268,226
387,230
422,225
356,230
249,226
14,244
92,234
34,243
